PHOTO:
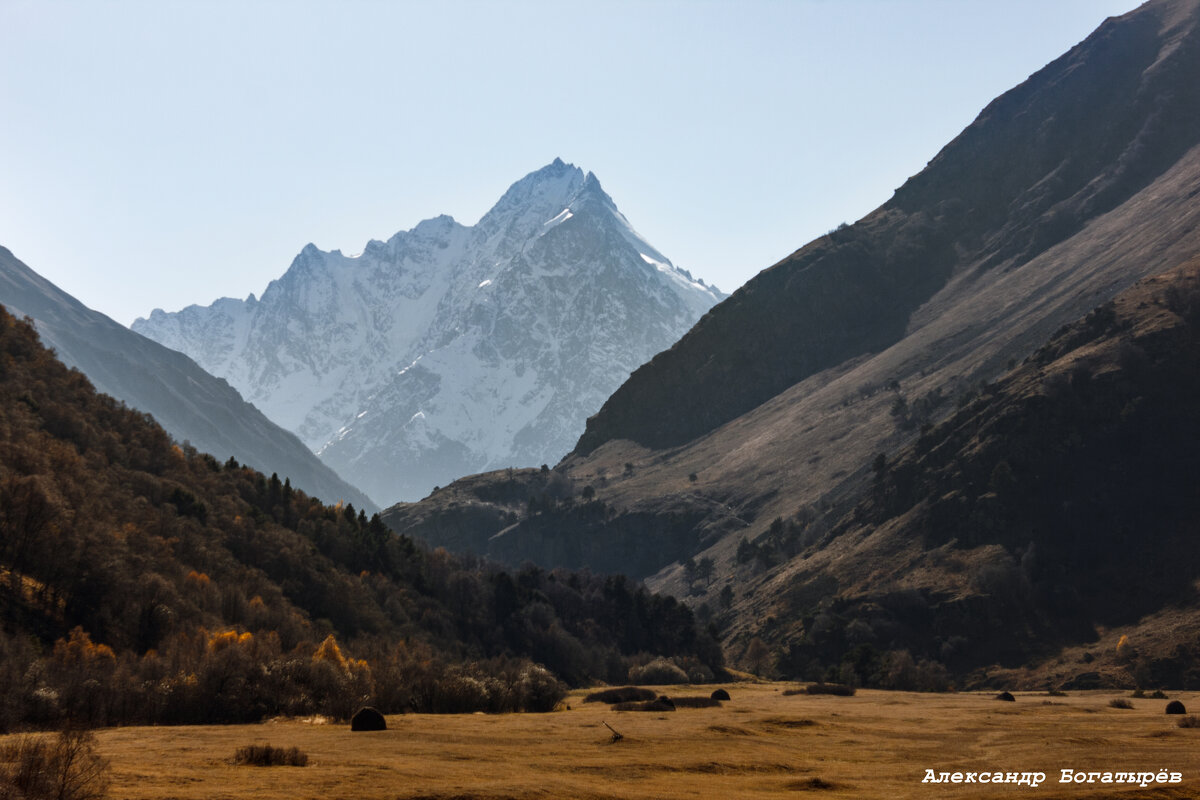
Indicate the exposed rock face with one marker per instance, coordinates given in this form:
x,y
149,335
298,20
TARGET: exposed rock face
x,y
448,349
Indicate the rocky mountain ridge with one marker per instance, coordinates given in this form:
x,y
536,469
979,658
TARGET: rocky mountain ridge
x,y
451,349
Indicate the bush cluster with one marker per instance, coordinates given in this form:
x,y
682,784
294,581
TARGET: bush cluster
x,y
659,672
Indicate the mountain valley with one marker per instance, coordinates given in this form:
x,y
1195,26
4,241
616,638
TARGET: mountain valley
x,y
730,468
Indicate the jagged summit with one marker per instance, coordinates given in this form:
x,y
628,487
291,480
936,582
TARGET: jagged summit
x,y
449,349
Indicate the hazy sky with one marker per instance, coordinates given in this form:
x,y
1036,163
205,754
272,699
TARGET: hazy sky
x,y
158,154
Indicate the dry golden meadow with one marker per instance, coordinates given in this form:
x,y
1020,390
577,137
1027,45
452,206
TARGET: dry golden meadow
x,y
761,744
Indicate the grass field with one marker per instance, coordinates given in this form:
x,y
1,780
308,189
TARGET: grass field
x,y
760,744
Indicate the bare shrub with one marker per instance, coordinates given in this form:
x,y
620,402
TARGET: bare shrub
x,y
460,692
538,690
264,755
902,672
838,689
1119,702
65,767
658,672
494,687
1190,721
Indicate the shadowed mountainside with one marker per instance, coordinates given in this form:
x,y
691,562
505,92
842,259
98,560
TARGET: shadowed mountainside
x,y
766,423
1056,502
781,396
1076,140
189,403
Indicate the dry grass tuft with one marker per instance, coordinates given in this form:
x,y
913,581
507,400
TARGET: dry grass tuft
x,y
1190,721
1119,702
661,704
788,722
695,702
730,730
810,784
264,755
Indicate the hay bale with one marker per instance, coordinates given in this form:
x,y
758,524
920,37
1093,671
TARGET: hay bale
x,y
720,694
368,719
1176,707
1006,696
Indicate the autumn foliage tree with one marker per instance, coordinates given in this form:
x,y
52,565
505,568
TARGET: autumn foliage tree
x,y
143,581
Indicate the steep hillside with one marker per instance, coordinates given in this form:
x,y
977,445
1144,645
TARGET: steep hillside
x,y
143,581
1063,193
451,349
1055,506
189,403
1076,140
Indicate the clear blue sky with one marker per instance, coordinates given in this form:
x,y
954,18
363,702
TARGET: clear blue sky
x,y
158,154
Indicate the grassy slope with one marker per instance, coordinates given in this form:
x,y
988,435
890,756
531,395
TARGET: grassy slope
x,y
1086,526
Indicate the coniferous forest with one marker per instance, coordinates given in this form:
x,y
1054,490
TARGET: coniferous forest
x,y
144,582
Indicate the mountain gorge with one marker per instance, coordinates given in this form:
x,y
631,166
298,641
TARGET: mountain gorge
x,y
449,349
735,467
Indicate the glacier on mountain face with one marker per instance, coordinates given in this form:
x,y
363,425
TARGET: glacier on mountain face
x,y
451,349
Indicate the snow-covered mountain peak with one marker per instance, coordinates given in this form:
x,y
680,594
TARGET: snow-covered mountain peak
x,y
449,349
539,196
436,227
